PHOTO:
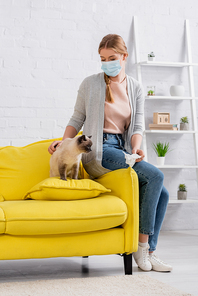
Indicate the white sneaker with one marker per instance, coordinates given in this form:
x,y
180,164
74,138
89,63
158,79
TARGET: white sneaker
x,y
157,264
142,258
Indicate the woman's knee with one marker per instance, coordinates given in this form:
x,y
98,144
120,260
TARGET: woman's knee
x,y
149,172
165,194
160,175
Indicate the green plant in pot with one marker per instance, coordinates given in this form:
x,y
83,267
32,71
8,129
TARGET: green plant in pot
x,y
150,93
182,192
151,56
151,90
161,149
184,124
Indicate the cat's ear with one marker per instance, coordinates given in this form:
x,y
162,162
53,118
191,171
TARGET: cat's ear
x,y
89,137
81,139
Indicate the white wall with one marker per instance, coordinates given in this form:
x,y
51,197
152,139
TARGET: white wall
x,y
47,47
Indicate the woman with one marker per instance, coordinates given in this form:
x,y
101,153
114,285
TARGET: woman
x,y
110,105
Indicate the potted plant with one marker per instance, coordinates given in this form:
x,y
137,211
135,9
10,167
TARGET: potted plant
x,y
184,125
161,149
151,56
182,192
150,90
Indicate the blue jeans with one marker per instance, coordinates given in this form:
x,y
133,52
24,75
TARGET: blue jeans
x,y
153,196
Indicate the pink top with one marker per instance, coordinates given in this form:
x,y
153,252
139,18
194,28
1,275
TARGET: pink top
x,y
117,115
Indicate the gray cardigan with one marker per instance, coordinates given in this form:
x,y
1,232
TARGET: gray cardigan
x,y
89,110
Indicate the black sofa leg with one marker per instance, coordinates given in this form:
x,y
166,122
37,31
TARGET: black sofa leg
x,y
128,268
85,266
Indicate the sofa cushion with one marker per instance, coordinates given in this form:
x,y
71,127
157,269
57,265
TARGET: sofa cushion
x,y
56,189
39,217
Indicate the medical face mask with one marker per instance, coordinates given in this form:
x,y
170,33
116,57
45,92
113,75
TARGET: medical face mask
x,y
111,68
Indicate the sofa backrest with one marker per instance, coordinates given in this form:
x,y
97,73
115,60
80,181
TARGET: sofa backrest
x,y
23,167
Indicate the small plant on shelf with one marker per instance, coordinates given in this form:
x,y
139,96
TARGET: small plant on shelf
x,y
151,56
182,187
182,191
150,93
161,149
184,119
184,125
150,90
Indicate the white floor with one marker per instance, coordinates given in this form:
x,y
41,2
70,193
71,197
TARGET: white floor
x,y
180,249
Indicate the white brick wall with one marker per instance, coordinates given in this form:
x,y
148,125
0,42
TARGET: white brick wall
x,y
47,47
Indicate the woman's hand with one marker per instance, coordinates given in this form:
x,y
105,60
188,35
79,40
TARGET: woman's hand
x,y
140,153
53,146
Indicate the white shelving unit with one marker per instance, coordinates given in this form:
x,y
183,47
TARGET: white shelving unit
x,y
168,132
170,98
192,98
166,64
187,201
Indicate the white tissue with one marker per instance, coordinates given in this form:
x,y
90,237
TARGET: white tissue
x,y
131,158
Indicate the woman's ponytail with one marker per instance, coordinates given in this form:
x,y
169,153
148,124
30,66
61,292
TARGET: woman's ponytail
x,y
109,96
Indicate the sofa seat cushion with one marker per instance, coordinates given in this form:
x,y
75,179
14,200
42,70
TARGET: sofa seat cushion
x,y
39,217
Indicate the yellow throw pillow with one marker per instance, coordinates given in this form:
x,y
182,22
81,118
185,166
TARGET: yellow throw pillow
x,y
57,189
23,167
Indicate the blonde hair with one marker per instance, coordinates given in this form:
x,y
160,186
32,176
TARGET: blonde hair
x,y
116,43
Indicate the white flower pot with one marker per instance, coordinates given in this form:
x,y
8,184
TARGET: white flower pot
x,y
151,58
160,160
177,90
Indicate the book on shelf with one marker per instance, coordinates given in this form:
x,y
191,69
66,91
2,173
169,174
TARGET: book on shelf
x,y
165,126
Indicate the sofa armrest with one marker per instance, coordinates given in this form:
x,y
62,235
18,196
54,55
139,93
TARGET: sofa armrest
x,y
82,174
124,184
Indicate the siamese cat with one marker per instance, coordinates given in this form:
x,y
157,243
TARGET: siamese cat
x,y
66,159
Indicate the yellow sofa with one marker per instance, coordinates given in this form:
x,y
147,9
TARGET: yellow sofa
x,y
105,224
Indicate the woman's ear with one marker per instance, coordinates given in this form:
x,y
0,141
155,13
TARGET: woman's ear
x,y
125,56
